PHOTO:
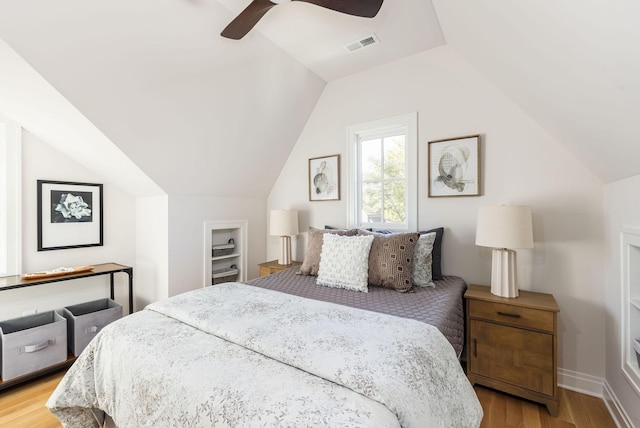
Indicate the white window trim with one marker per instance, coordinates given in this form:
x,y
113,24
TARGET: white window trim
x,y
410,121
11,203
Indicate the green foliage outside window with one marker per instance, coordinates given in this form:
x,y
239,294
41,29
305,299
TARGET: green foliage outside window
x,y
383,180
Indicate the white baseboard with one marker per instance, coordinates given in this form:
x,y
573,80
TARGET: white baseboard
x,y
581,382
613,404
596,387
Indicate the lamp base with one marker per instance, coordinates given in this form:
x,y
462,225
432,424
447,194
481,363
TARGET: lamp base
x,y
285,251
503,273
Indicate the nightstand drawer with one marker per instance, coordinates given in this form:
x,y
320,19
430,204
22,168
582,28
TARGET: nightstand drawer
x,y
512,315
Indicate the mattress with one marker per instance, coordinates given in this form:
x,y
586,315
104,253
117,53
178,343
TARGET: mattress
x,y
441,306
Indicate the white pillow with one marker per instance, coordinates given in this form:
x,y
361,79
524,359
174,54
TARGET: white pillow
x,y
423,260
344,262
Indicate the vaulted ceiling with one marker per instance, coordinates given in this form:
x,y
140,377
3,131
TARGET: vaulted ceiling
x,y
192,109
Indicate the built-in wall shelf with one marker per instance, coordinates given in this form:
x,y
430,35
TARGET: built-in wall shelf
x,y
225,250
630,259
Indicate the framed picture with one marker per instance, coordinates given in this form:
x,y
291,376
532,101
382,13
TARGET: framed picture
x,y
324,178
454,167
69,215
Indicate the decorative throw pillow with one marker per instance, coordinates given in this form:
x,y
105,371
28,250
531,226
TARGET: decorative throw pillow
x,y
422,260
436,264
311,260
391,259
344,262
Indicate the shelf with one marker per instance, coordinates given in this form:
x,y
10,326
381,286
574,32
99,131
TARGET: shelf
x,y
630,256
220,234
228,256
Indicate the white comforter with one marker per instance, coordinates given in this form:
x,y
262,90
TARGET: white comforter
x,y
234,355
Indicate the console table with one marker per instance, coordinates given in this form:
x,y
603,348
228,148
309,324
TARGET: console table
x,y
16,281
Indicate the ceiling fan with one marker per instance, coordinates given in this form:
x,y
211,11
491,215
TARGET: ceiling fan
x,y
249,17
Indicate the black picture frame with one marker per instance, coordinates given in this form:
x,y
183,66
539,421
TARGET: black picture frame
x,y
70,215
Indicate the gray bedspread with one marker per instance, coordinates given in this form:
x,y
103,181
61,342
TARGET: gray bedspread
x,y
234,355
441,306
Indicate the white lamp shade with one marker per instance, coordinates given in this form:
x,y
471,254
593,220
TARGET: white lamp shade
x,y
283,223
504,226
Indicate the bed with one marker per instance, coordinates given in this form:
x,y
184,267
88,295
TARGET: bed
x,y
280,351
440,306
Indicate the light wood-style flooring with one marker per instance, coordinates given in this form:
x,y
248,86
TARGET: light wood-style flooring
x,y
23,407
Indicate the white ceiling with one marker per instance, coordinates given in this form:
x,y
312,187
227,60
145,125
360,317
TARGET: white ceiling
x,y
574,67
316,36
191,108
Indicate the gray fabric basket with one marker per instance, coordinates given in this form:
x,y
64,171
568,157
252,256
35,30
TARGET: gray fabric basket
x,y
85,320
218,276
32,343
223,249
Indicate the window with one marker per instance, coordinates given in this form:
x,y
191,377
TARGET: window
x,y
383,173
10,185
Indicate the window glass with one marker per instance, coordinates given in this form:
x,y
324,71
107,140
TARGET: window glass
x,y
383,172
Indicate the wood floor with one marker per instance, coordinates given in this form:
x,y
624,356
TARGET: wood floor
x,y
23,407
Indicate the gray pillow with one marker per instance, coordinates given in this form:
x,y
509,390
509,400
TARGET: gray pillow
x,y
423,260
436,266
311,262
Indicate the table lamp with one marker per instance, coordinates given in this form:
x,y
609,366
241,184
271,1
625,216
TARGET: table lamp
x,y
504,228
284,223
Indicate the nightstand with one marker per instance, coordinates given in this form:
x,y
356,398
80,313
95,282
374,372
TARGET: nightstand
x,y
267,268
512,344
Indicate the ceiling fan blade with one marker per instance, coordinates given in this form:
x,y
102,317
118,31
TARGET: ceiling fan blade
x,y
363,8
249,17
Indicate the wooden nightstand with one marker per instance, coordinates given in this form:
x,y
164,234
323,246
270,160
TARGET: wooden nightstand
x,y
512,344
267,268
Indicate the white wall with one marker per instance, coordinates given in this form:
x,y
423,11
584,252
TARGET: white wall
x,y
152,248
622,209
520,164
187,215
41,161
160,236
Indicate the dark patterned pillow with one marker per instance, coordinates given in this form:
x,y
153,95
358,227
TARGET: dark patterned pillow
x,y
311,261
391,259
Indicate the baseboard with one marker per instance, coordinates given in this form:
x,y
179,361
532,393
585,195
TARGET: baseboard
x,y
581,382
596,387
615,409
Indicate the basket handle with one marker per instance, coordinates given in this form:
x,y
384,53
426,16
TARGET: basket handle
x,y
38,346
93,329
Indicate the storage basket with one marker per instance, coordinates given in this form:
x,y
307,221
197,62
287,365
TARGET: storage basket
x,y
223,249
32,343
219,276
85,320
636,347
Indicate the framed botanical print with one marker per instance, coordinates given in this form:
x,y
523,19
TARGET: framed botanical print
x,y
69,215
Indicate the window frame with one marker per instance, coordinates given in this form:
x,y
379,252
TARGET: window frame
x,y
380,128
10,198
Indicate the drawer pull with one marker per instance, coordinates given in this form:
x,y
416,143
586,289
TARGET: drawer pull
x,y
475,348
506,314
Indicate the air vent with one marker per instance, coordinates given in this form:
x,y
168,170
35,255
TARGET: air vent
x,y
367,41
